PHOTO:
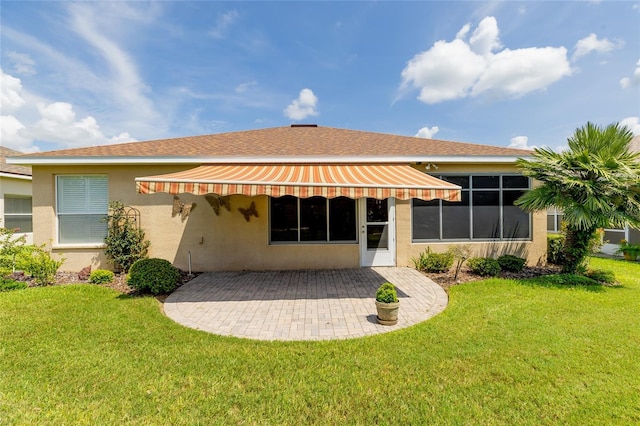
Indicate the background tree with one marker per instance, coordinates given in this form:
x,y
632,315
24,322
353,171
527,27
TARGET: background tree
x,y
595,183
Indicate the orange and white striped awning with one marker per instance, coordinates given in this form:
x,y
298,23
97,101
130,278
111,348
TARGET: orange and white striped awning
x,y
303,180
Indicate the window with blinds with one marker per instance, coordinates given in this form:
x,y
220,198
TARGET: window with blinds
x,y
17,213
82,205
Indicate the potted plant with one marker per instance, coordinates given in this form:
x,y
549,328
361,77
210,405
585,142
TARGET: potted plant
x,y
629,251
387,304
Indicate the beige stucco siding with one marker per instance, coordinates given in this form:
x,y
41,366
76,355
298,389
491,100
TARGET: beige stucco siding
x,y
224,242
227,241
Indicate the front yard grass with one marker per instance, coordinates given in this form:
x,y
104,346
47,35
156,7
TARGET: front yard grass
x,y
503,352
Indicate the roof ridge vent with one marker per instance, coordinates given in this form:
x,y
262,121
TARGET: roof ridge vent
x,y
304,125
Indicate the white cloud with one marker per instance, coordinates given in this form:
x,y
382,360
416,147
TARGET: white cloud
x,y
485,39
302,107
223,23
427,133
632,81
11,98
444,72
513,73
457,69
520,142
462,34
11,134
591,43
58,124
633,124
243,87
51,122
22,63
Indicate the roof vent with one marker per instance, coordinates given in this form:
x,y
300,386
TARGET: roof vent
x,y
304,125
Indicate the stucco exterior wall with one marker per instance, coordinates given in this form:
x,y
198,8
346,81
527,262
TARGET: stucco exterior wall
x,y
224,242
14,186
228,241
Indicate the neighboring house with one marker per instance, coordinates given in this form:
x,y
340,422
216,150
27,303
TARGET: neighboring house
x,y
299,197
612,237
15,196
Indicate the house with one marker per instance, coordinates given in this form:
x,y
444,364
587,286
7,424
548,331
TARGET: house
x,y
15,196
612,237
295,197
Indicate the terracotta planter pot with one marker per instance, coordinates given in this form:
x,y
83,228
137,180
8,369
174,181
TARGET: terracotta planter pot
x,y
387,313
628,256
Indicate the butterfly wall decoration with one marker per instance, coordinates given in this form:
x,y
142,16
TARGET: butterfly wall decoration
x,y
180,208
251,211
216,202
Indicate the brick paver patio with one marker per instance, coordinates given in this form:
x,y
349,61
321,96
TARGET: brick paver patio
x,y
301,305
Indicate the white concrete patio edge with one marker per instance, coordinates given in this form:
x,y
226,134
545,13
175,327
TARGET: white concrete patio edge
x,y
301,305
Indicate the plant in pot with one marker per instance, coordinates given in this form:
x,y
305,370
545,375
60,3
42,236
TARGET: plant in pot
x,y
387,304
629,251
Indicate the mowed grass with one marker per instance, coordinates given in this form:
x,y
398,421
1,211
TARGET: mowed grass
x,y
503,352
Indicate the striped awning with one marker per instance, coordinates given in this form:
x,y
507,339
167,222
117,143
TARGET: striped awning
x,y
303,180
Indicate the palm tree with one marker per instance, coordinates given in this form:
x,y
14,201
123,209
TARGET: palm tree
x,y
596,184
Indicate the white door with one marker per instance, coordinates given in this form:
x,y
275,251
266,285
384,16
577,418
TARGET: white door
x,y
377,232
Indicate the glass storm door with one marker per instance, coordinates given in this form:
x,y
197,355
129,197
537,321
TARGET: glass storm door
x,y
377,232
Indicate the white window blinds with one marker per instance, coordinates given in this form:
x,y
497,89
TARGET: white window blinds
x,y
82,205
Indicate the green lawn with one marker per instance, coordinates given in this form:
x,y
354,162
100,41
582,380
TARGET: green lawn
x,y
503,352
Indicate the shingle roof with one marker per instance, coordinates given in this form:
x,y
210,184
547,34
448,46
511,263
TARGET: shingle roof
x,y
294,141
10,168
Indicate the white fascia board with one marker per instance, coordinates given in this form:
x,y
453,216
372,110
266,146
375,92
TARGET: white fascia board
x,y
14,176
488,159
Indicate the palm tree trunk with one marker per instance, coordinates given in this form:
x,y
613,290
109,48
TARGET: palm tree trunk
x,y
576,249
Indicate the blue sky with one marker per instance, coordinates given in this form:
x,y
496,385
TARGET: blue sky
x,y
518,74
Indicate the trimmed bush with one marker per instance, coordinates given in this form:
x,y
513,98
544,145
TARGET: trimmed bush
x,y
101,276
484,266
387,293
555,243
156,276
602,275
7,284
434,262
511,263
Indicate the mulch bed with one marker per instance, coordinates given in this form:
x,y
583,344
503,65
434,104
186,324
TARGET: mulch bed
x,y
446,280
119,282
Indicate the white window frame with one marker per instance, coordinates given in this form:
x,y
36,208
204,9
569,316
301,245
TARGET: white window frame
x,y
88,243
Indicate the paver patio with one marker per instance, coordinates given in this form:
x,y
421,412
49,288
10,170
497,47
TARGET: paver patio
x,y
301,305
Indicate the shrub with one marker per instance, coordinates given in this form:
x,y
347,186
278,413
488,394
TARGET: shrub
x,y
125,240
433,262
511,263
602,275
460,253
101,276
12,250
41,266
7,284
568,279
156,276
386,293
555,244
484,266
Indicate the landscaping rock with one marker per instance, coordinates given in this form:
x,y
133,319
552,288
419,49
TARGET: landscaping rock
x,y
84,274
